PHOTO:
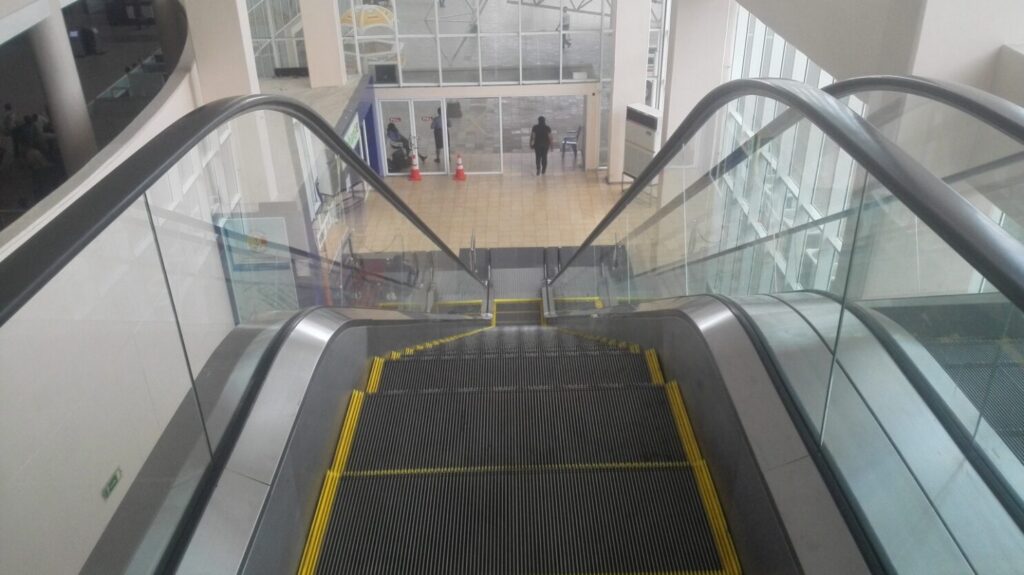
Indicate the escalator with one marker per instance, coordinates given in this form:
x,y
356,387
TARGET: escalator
x,y
750,365
518,449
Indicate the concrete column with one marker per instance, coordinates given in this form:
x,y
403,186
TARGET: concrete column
x,y
223,48
64,96
698,48
170,29
1009,80
632,23
322,31
592,132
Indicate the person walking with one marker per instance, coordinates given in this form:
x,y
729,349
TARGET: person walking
x,y
7,131
7,127
437,125
540,143
22,135
566,42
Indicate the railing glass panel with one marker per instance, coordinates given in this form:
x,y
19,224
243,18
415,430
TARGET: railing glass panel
x,y
982,163
116,392
784,222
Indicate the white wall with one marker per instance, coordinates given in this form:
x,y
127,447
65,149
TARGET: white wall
x,y
946,39
92,368
631,23
960,41
16,16
91,371
1009,75
848,38
219,31
699,47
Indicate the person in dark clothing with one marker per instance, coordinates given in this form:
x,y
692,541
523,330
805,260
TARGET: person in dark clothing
x,y
7,125
540,143
22,136
437,125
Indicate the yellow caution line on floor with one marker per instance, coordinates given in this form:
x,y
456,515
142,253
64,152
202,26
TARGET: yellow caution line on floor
x,y
536,300
460,302
654,366
625,465
706,487
321,517
598,303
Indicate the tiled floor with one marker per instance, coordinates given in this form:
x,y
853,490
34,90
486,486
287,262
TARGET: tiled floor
x,y
516,209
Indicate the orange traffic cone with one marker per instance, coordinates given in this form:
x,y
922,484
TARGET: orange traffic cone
x,y
460,172
414,173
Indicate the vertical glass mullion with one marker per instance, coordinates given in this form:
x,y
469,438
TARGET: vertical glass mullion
x,y
561,41
355,38
398,47
479,45
519,33
843,309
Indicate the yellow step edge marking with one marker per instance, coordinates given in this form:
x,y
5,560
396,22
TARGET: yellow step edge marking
x,y
376,369
634,348
348,432
654,366
706,487
321,517
315,539
719,528
686,435
625,465
687,572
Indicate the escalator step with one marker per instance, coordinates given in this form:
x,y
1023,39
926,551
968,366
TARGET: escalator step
x,y
517,339
432,353
514,372
521,522
520,428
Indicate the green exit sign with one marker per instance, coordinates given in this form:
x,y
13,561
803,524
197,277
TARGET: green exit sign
x,y
111,483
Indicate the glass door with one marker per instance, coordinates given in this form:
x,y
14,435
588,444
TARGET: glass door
x,y
398,132
431,138
474,132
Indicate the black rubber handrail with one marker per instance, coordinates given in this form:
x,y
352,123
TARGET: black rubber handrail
x,y
994,111
31,265
659,215
979,240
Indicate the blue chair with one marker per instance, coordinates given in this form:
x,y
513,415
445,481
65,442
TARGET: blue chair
x,y
572,140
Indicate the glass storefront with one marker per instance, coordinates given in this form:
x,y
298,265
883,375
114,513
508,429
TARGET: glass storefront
x,y
472,42
481,130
